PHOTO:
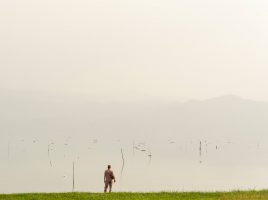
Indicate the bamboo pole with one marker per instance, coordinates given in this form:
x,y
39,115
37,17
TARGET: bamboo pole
x,y
123,161
73,177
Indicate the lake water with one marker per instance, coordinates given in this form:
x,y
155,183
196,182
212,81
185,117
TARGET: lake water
x,y
151,163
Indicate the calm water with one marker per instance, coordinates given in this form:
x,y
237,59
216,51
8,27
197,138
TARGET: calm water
x,y
152,163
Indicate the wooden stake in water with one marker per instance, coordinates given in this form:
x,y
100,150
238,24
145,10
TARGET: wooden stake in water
x,y
200,151
123,162
150,156
73,177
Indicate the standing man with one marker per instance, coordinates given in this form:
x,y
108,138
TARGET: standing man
x,y
108,179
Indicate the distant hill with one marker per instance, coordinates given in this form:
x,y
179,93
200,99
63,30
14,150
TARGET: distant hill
x,y
225,116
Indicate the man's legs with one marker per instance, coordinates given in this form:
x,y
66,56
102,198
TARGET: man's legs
x,y
110,186
105,186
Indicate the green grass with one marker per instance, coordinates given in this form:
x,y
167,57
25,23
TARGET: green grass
x,y
237,195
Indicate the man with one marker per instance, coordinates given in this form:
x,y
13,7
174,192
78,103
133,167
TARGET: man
x,y
108,179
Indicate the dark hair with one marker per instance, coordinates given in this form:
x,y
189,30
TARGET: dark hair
x,y
109,166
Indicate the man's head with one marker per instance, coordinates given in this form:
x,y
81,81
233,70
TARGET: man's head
x,y
109,166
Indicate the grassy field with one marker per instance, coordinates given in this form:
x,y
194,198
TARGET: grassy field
x,y
243,195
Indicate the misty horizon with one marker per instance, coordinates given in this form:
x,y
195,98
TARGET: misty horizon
x,y
106,98
174,88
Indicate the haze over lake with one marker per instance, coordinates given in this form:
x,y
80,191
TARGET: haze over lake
x,y
213,144
171,93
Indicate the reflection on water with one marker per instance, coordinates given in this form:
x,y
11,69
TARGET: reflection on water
x,y
46,165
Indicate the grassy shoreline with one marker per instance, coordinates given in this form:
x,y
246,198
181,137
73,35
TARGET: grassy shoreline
x,y
237,195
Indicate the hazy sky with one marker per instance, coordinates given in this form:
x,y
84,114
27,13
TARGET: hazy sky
x,y
135,48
